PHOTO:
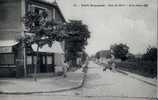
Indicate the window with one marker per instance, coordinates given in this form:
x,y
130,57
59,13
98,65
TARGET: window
x,y
59,59
35,59
29,59
49,59
44,60
37,10
7,59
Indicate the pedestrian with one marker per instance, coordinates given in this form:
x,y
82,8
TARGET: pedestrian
x,y
113,66
65,67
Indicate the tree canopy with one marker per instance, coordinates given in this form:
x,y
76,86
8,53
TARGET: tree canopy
x,y
75,44
151,54
43,31
120,51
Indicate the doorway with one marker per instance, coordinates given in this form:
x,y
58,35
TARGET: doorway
x,y
42,64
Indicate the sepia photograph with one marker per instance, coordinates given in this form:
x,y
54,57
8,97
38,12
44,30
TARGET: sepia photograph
x,y
78,49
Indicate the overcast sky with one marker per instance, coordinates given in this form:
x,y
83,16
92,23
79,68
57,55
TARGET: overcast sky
x,y
135,26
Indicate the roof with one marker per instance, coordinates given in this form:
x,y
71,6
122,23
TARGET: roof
x,y
104,53
7,43
54,4
55,48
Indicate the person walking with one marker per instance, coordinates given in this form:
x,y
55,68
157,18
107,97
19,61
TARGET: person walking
x,y
65,67
113,66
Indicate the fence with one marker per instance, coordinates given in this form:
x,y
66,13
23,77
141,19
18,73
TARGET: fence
x,y
145,68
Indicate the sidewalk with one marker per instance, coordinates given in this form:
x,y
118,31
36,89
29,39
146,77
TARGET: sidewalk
x,y
42,85
151,81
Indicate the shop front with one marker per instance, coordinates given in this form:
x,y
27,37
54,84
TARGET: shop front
x,y
49,58
12,59
7,58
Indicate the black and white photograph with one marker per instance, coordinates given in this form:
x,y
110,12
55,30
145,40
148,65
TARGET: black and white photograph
x,y
78,49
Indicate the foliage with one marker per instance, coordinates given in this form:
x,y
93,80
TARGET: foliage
x,y
75,44
97,55
84,57
44,31
130,56
120,51
151,54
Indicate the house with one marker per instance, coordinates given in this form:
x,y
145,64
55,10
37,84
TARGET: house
x,y
15,60
103,56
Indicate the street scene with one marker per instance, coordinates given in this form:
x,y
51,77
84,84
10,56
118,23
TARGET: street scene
x,y
78,50
98,85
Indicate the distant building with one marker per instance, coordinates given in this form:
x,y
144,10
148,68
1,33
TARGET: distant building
x,y
12,53
103,56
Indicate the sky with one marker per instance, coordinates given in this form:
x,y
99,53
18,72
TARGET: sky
x,y
134,25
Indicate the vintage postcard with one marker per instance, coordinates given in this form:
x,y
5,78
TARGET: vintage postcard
x,y
78,49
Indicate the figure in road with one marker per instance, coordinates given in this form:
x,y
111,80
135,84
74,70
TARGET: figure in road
x,y
107,65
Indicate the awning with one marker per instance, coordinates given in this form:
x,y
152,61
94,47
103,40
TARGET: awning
x,y
6,45
55,48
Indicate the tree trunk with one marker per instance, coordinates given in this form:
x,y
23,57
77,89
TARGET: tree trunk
x,y
74,62
36,65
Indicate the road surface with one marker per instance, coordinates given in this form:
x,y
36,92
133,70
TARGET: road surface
x,y
99,85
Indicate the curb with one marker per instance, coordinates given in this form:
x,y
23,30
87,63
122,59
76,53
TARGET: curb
x,y
125,73
60,90
122,72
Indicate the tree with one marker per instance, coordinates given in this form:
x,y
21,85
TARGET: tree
x,y
119,51
78,34
84,57
43,31
97,55
151,54
130,56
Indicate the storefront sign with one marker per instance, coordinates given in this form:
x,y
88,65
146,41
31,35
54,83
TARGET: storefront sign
x,y
5,49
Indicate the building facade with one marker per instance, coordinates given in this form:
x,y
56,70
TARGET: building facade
x,y
14,59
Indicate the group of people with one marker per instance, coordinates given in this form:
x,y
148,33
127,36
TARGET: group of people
x,y
109,65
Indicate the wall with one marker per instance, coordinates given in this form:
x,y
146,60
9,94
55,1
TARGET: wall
x,y
10,19
58,17
59,59
53,13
